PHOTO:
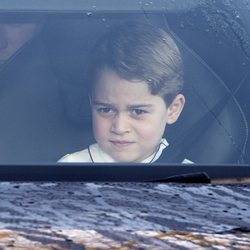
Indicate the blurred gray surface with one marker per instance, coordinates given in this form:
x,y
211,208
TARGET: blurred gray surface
x,y
124,216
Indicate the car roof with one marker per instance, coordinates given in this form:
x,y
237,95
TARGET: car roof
x,y
97,5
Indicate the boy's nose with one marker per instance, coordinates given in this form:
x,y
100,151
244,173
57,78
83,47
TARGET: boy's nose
x,y
120,124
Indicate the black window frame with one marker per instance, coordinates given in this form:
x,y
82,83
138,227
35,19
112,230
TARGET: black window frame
x,y
108,172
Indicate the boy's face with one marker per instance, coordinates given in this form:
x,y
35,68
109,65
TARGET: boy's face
x,y
128,121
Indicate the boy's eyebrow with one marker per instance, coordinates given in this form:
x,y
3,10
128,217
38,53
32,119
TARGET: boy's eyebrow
x,y
135,106
141,106
101,103
130,106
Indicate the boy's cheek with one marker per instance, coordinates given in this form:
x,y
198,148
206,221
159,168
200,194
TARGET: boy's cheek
x,y
151,132
100,128
153,126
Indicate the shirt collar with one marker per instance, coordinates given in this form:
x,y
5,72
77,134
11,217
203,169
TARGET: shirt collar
x,y
99,155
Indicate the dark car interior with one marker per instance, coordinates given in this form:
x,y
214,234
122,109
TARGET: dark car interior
x,y
45,109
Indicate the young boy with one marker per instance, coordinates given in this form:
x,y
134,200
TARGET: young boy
x,y
135,90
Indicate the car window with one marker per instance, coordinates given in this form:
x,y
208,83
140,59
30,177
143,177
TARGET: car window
x,y
46,108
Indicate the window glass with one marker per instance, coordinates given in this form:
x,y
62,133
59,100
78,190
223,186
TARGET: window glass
x,y
47,103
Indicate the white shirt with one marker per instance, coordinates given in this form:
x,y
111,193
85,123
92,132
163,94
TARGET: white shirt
x,y
95,154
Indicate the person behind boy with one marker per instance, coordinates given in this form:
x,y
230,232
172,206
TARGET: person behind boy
x,y
135,81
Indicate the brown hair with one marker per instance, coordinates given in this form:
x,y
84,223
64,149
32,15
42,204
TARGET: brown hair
x,y
140,52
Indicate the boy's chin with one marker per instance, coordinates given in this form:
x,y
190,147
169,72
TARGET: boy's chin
x,y
127,158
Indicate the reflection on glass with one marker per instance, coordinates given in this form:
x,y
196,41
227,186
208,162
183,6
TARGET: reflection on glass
x,y
114,81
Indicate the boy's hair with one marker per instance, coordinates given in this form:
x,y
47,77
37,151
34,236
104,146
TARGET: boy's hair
x,y
140,52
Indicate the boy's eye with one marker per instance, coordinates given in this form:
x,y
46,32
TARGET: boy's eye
x,y
138,112
105,110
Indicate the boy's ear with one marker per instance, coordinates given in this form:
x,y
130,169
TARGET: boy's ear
x,y
175,108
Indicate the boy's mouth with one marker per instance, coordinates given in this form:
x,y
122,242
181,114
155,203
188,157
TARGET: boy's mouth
x,y
121,144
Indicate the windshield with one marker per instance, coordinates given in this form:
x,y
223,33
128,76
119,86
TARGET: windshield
x,y
157,82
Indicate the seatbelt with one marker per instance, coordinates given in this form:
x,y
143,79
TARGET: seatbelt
x,y
175,152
